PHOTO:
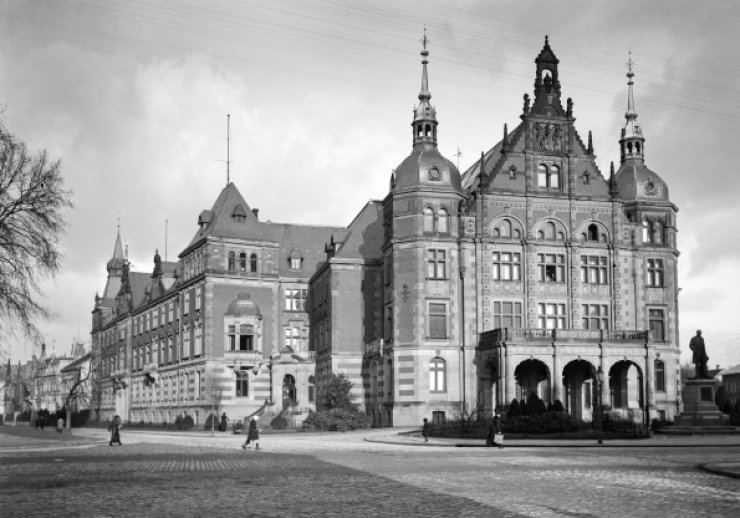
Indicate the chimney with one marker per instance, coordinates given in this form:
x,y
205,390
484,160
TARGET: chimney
x,y
256,213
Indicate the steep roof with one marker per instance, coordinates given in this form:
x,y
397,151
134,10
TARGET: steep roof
x,y
230,217
306,240
365,235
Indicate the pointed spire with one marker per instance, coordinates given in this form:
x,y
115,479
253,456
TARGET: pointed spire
x,y
632,141
425,116
118,258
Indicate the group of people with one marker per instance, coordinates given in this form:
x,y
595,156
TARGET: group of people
x,y
494,438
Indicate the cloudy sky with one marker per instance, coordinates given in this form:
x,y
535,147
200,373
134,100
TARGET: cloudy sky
x,y
132,96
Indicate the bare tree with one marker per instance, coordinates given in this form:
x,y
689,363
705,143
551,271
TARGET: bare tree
x,y
32,201
468,415
77,390
213,394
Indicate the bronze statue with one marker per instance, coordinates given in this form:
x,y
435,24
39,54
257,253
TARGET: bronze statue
x,y
700,357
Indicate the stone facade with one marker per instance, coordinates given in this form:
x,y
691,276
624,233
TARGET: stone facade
x,y
528,272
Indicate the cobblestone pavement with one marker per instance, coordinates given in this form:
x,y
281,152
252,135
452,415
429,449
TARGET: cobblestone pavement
x,y
343,475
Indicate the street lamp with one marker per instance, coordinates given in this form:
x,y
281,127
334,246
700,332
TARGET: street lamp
x,y
599,382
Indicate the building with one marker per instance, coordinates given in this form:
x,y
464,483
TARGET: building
x,y
528,272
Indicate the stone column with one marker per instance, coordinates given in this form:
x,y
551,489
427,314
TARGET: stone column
x,y
557,376
510,384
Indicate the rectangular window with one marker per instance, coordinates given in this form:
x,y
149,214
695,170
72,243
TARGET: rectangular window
x,y
656,319
186,342
593,269
197,298
655,273
198,341
507,314
295,299
551,267
437,320
659,368
437,375
436,264
186,303
595,316
311,394
506,266
242,383
232,338
171,349
171,312
551,316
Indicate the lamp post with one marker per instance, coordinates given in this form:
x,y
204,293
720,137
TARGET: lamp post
x,y
599,382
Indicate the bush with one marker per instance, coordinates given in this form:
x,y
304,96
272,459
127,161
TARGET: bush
x,y
279,423
535,406
547,422
339,419
514,409
188,423
557,406
211,422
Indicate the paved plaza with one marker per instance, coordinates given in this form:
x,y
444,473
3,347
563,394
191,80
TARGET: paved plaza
x,y
370,473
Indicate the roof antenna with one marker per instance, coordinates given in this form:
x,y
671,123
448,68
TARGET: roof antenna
x,y
458,155
165,239
228,126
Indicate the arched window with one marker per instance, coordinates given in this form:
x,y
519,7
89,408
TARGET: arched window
x,y
542,176
593,232
443,221
243,262
506,228
253,263
437,382
646,231
311,389
242,382
428,220
232,261
554,177
659,376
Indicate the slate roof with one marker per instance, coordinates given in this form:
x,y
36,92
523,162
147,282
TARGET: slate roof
x,y
365,235
307,240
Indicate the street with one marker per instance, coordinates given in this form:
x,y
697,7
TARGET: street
x,y
160,474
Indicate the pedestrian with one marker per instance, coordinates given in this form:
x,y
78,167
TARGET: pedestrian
x,y
222,426
425,429
42,421
115,431
60,425
495,437
253,435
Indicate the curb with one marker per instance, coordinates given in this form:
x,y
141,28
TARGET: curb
x,y
716,470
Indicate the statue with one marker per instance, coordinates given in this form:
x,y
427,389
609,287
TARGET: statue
x,y
700,357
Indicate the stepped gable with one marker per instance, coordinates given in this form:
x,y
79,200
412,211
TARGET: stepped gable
x,y
230,217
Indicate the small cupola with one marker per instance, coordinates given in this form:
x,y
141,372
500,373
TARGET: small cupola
x,y
425,115
632,143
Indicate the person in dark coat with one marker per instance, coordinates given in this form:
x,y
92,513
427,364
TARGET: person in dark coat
x,y
493,431
224,421
253,435
115,431
425,429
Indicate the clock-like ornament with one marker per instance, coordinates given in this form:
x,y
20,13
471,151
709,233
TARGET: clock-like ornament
x,y
434,174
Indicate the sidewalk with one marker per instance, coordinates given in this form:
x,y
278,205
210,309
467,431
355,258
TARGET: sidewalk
x,y
25,438
729,469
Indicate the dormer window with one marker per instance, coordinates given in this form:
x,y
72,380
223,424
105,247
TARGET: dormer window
x,y
295,261
239,214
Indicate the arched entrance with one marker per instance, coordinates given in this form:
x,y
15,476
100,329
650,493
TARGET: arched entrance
x,y
578,382
530,375
289,391
626,385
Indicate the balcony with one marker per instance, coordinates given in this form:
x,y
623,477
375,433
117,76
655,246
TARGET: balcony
x,y
377,347
510,334
245,357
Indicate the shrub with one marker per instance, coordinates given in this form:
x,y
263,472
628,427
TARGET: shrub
x,y
514,409
720,397
339,419
279,423
211,422
547,422
188,423
535,406
557,406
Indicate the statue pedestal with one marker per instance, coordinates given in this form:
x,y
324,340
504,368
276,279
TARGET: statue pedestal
x,y
700,411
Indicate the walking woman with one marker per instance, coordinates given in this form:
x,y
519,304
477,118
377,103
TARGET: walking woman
x,y
253,435
115,431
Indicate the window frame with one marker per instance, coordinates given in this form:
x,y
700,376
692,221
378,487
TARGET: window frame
x,y
437,321
437,263
502,267
437,375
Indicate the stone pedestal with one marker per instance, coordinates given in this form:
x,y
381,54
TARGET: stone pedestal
x,y
699,407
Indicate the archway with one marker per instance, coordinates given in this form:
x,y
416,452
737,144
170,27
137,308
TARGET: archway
x,y
530,375
626,385
488,379
289,391
578,376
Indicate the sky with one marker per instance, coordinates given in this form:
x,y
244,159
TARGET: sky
x,y
133,96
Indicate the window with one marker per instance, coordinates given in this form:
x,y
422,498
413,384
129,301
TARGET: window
x,y
242,262
242,382
655,273
295,261
232,261
595,316
593,269
197,298
171,312
656,319
437,375
443,222
436,264
295,336
551,316
593,232
428,220
311,389
506,266
171,349
507,314
253,263
646,231
548,178
437,320
659,376
186,342
186,303
551,267
295,299
197,341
